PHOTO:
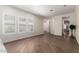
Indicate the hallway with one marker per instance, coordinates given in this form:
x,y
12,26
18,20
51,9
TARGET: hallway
x,y
43,44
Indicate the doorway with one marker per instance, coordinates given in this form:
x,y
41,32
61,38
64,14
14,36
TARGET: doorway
x,y
46,26
65,26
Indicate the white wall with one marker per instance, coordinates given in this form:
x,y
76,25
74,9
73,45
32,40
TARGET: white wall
x,y
56,23
77,24
38,24
2,48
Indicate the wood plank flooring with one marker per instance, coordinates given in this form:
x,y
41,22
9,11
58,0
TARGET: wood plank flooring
x,y
43,44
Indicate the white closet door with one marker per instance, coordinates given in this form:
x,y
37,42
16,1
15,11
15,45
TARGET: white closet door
x,y
57,26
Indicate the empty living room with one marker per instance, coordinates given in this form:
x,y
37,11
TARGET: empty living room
x,y
39,28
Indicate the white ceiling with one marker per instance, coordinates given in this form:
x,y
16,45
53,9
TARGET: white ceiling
x,y
44,10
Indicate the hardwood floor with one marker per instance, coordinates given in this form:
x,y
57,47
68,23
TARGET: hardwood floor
x,y
43,44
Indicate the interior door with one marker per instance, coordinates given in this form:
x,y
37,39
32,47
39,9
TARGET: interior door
x,y
57,26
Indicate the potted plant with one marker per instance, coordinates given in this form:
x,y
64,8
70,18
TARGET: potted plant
x,y
72,28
